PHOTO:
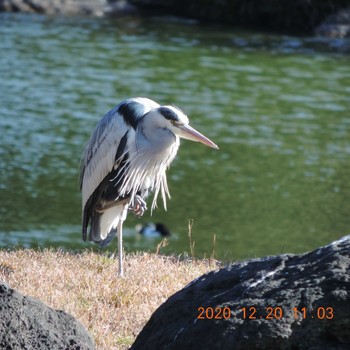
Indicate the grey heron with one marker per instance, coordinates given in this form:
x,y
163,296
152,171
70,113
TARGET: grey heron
x,y
124,160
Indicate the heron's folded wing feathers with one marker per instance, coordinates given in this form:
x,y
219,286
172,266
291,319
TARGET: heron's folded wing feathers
x,y
99,156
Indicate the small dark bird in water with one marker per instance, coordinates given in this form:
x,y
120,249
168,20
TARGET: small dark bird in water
x,y
153,230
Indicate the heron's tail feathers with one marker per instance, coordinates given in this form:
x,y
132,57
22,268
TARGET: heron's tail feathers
x,y
104,225
105,242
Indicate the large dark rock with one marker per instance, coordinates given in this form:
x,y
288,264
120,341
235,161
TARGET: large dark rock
x,y
336,25
68,7
289,301
27,323
297,16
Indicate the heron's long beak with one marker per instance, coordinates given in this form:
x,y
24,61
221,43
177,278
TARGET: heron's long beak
x,y
187,132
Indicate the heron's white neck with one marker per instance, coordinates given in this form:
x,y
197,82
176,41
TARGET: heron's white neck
x,y
154,131
154,150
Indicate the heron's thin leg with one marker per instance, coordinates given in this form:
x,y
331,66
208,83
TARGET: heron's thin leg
x,y
120,240
120,248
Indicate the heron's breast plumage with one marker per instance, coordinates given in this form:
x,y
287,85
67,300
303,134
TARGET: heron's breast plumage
x,y
145,170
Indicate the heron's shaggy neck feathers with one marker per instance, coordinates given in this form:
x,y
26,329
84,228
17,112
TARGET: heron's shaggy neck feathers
x,y
145,171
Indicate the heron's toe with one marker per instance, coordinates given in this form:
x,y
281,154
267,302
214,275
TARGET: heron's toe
x,y
139,206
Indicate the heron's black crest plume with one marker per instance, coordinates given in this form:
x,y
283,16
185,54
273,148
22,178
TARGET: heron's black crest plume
x,y
168,114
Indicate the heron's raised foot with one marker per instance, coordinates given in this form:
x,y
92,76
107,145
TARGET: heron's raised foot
x,y
138,206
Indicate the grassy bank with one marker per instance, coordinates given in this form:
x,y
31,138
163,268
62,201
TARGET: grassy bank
x,y
86,285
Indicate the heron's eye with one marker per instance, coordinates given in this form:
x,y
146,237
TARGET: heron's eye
x,y
173,122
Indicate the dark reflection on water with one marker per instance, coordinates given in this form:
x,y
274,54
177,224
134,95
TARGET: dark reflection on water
x,y
277,106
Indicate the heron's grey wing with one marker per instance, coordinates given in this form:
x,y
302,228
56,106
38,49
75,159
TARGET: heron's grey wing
x,y
99,157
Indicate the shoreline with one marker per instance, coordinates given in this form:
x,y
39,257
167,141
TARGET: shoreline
x,y
149,307
313,18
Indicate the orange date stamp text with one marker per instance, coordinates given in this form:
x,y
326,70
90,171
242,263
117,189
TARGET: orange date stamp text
x,y
267,313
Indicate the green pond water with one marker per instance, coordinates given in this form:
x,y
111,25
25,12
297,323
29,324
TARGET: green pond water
x,y
277,106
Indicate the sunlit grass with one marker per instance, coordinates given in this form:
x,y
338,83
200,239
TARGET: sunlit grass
x,y
86,285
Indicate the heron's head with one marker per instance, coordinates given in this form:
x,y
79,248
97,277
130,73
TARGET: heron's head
x,y
171,120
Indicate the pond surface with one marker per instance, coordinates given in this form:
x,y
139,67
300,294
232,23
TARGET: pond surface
x,y
277,106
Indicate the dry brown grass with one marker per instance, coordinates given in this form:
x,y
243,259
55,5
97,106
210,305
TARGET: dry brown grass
x,y
86,285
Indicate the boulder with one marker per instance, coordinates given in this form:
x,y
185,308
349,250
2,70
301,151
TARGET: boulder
x,y
298,16
68,7
294,17
27,323
336,25
279,302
